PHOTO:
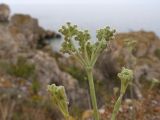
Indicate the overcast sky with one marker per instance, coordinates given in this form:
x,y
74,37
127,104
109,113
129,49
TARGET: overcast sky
x,y
123,15
79,1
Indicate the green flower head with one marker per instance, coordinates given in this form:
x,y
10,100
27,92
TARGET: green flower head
x,y
78,43
59,98
105,33
126,76
68,31
130,43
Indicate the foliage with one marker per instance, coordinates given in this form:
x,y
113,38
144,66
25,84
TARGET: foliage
x,y
85,51
130,44
157,52
58,95
77,43
35,86
153,83
22,68
77,73
126,76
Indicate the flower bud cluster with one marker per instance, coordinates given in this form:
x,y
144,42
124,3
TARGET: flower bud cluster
x,y
85,51
105,33
58,95
126,76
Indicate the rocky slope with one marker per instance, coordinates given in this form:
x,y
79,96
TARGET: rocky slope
x,y
25,68
144,58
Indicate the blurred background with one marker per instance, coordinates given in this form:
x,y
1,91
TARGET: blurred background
x,y
123,15
30,58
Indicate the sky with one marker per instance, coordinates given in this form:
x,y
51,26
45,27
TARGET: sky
x,y
78,1
122,15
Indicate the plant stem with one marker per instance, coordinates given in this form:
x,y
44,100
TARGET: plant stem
x,y
92,93
116,107
69,117
132,98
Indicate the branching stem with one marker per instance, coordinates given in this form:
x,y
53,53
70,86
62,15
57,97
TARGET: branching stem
x,y
92,93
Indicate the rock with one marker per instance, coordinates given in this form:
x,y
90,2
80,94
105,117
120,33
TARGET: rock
x,y
21,34
143,59
25,27
20,38
49,72
145,42
4,12
8,45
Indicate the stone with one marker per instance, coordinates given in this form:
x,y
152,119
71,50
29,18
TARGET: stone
x,y
4,13
48,72
26,27
143,60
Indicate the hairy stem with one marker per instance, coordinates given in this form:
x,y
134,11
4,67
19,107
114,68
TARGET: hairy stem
x,y
116,107
92,93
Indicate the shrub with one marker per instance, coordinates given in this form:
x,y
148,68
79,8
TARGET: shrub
x,y
22,68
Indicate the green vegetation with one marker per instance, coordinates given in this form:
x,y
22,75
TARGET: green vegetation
x,y
77,43
59,99
157,52
126,76
153,83
35,86
86,52
77,73
22,68
130,45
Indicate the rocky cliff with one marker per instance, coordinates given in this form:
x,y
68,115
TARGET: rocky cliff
x,y
25,68
144,59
